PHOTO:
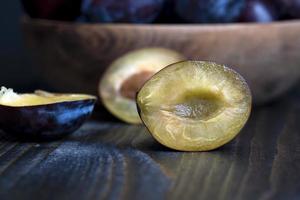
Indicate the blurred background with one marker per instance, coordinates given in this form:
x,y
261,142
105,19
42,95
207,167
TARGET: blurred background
x,y
16,69
53,48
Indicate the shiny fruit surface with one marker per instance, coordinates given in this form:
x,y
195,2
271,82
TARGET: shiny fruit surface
x,y
43,114
259,11
53,9
194,105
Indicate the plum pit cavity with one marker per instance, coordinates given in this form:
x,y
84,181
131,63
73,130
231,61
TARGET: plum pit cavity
x,y
194,105
132,84
199,105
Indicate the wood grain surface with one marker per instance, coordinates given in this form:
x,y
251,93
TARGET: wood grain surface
x,y
105,160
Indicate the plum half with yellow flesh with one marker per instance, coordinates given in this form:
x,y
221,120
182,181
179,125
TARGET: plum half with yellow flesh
x,y
43,114
126,75
194,105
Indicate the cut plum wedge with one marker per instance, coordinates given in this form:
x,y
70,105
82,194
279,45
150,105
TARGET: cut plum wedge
x,y
194,105
43,115
126,75
38,98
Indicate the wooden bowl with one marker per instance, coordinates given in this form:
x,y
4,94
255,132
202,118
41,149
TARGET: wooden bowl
x,y
72,56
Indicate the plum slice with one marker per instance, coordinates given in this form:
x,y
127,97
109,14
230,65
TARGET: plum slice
x,y
194,105
43,115
126,75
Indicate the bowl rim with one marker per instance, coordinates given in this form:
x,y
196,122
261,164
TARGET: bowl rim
x,y
25,19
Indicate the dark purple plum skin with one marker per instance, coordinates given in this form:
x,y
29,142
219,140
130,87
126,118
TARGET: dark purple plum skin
x,y
122,11
290,8
259,11
66,10
209,11
49,121
168,14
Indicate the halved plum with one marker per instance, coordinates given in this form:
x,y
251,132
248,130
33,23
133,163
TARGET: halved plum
x,y
125,76
43,115
194,105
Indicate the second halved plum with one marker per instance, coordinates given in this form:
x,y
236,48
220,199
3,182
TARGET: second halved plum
x,y
125,76
194,105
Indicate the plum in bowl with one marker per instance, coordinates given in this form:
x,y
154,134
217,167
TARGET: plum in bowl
x,y
72,56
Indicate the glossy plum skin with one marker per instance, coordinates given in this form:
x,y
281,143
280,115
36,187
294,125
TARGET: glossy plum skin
x,y
48,121
53,9
208,11
290,7
125,11
258,11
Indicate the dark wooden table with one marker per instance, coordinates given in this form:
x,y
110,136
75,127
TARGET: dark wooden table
x,y
105,160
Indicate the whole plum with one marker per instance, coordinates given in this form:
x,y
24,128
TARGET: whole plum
x,y
52,9
168,14
259,11
290,7
209,11
126,11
